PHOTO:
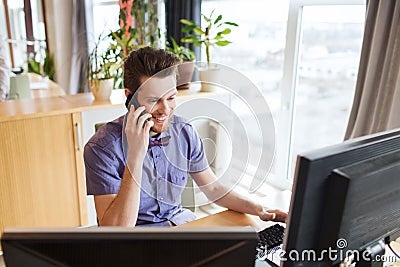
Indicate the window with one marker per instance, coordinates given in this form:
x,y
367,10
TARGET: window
x,y
105,17
305,63
329,54
18,55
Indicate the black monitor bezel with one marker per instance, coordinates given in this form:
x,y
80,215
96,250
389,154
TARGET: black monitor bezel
x,y
229,244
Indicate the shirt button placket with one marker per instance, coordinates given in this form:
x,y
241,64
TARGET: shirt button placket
x,y
159,165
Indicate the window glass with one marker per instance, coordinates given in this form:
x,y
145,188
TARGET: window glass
x,y
257,51
329,56
105,17
327,69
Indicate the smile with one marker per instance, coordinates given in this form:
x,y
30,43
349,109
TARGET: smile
x,y
160,119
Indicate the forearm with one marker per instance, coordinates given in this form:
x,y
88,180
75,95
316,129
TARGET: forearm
x,y
123,211
236,202
224,197
232,200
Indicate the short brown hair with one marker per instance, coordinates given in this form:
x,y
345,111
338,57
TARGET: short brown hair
x,y
146,62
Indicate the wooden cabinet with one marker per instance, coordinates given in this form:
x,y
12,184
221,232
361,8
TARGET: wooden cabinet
x,y
41,170
42,176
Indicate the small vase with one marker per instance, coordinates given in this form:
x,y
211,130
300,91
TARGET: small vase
x,y
102,88
210,78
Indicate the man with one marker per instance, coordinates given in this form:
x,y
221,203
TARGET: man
x,y
140,181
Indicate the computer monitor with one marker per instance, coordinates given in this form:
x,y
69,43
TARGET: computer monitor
x,y
311,188
139,246
362,212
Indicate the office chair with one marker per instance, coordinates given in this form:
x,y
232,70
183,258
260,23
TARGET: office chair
x,y
98,125
188,199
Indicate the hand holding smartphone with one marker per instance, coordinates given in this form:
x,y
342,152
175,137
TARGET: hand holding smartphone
x,y
132,100
136,132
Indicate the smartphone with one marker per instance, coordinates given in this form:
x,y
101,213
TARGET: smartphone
x,y
135,103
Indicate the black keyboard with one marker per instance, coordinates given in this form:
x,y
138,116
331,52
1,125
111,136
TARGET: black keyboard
x,y
269,238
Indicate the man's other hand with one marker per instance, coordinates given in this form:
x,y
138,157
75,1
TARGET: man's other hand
x,y
273,215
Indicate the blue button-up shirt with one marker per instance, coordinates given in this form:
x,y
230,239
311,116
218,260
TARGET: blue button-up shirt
x,y
165,170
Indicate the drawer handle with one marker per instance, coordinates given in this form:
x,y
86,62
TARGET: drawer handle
x,y
78,136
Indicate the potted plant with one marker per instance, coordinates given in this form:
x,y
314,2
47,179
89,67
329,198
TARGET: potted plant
x,y
138,28
185,70
212,34
102,67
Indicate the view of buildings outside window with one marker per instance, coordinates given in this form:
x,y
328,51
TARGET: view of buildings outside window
x,y
327,72
327,69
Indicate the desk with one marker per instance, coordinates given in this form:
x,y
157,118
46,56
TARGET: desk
x,y
229,218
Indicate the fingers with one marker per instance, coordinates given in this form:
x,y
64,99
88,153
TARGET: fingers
x,y
142,119
135,117
136,113
278,215
273,215
148,125
268,216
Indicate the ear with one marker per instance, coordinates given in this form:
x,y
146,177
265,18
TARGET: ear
x,y
127,92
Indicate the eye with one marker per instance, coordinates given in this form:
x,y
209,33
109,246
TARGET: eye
x,y
172,98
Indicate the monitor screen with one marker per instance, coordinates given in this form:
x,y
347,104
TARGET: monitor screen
x,y
140,246
363,208
310,190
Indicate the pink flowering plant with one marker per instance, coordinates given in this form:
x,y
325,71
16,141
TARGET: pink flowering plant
x,y
138,28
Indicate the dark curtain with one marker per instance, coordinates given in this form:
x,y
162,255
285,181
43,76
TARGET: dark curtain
x,y
175,10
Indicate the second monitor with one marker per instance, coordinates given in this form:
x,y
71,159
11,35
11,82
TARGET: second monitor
x,y
311,187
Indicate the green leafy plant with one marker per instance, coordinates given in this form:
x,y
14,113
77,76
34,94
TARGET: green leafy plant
x,y
182,52
102,64
213,34
47,69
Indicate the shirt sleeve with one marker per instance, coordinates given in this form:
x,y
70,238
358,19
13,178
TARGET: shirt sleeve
x,y
198,161
102,176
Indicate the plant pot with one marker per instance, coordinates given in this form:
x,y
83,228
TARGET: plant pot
x,y
185,74
210,78
102,88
